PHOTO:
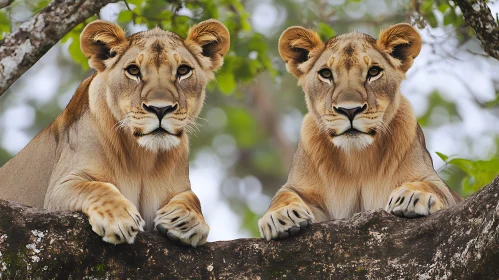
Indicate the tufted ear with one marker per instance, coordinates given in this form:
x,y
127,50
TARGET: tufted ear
x,y
296,45
209,39
101,40
402,42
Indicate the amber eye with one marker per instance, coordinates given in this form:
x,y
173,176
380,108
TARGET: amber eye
x,y
326,73
183,70
133,70
374,71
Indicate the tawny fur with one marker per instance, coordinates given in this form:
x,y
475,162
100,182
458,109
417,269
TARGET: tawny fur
x,y
334,175
98,156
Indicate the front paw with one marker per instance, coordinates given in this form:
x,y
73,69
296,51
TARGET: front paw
x,y
408,202
182,225
116,220
286,221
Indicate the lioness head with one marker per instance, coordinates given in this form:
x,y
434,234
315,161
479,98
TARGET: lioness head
x,y
154,81
352,81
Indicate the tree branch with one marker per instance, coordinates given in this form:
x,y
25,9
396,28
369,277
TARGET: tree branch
x,y
457,243
22,48
478,15
5,3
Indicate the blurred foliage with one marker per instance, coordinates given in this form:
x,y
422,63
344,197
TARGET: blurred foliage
x,y
233,129
4,24
437,103
478,173
438,13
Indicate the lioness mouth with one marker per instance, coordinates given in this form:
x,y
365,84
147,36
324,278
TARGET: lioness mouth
x,y
158,131
351,131
354,132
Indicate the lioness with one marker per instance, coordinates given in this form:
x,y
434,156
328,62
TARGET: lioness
x,y
119,151
360,146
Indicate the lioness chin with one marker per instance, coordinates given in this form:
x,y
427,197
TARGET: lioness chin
x,y
119,151
360,147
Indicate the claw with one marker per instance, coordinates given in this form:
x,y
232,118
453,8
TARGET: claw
x,y
294,230
173,238
162,229
283,235
414,216
398,213
304,224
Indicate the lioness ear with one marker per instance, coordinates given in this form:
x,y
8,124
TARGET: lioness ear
x,y
210,39
402,42
101,40
296,45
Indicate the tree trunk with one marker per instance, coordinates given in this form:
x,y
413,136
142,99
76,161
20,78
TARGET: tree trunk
x,y
479,17
457,243
20,49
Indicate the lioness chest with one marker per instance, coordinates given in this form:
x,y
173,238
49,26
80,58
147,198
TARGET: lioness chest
x,y
344,199
147,193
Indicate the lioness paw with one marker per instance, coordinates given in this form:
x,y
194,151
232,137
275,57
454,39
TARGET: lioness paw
x,y
181,225
117,221
286,221
410,203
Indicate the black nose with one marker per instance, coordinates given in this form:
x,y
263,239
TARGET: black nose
x,y
160,112
352,112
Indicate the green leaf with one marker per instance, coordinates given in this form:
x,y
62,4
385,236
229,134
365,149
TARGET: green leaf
x,y
450,18
226,82
36,6
125,16
443,7
325,31
243,127
137,3
464,164
442,156
426,6
432,20
77,55
4,24
73,37
493,103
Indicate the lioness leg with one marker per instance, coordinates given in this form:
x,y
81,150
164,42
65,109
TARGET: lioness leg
x,y
287,214
110,214
416,199
181,220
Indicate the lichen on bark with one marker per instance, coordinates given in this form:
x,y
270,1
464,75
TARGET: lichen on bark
x,y
479,17
456,243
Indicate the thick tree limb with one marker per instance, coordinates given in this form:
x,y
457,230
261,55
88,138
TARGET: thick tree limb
x,y
458,243
477,14
5,3
22,48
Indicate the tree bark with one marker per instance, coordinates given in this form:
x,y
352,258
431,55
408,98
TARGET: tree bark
x,y
457,243
479,17
22,48
5,3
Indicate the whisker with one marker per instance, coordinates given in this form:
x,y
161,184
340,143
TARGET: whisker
x,y
203,119
384,128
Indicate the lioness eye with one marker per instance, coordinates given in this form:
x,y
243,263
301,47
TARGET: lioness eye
x,y
326,73
133,70
374,71
183,70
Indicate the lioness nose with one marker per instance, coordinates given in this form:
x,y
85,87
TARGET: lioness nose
x,y
160,112
350,112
